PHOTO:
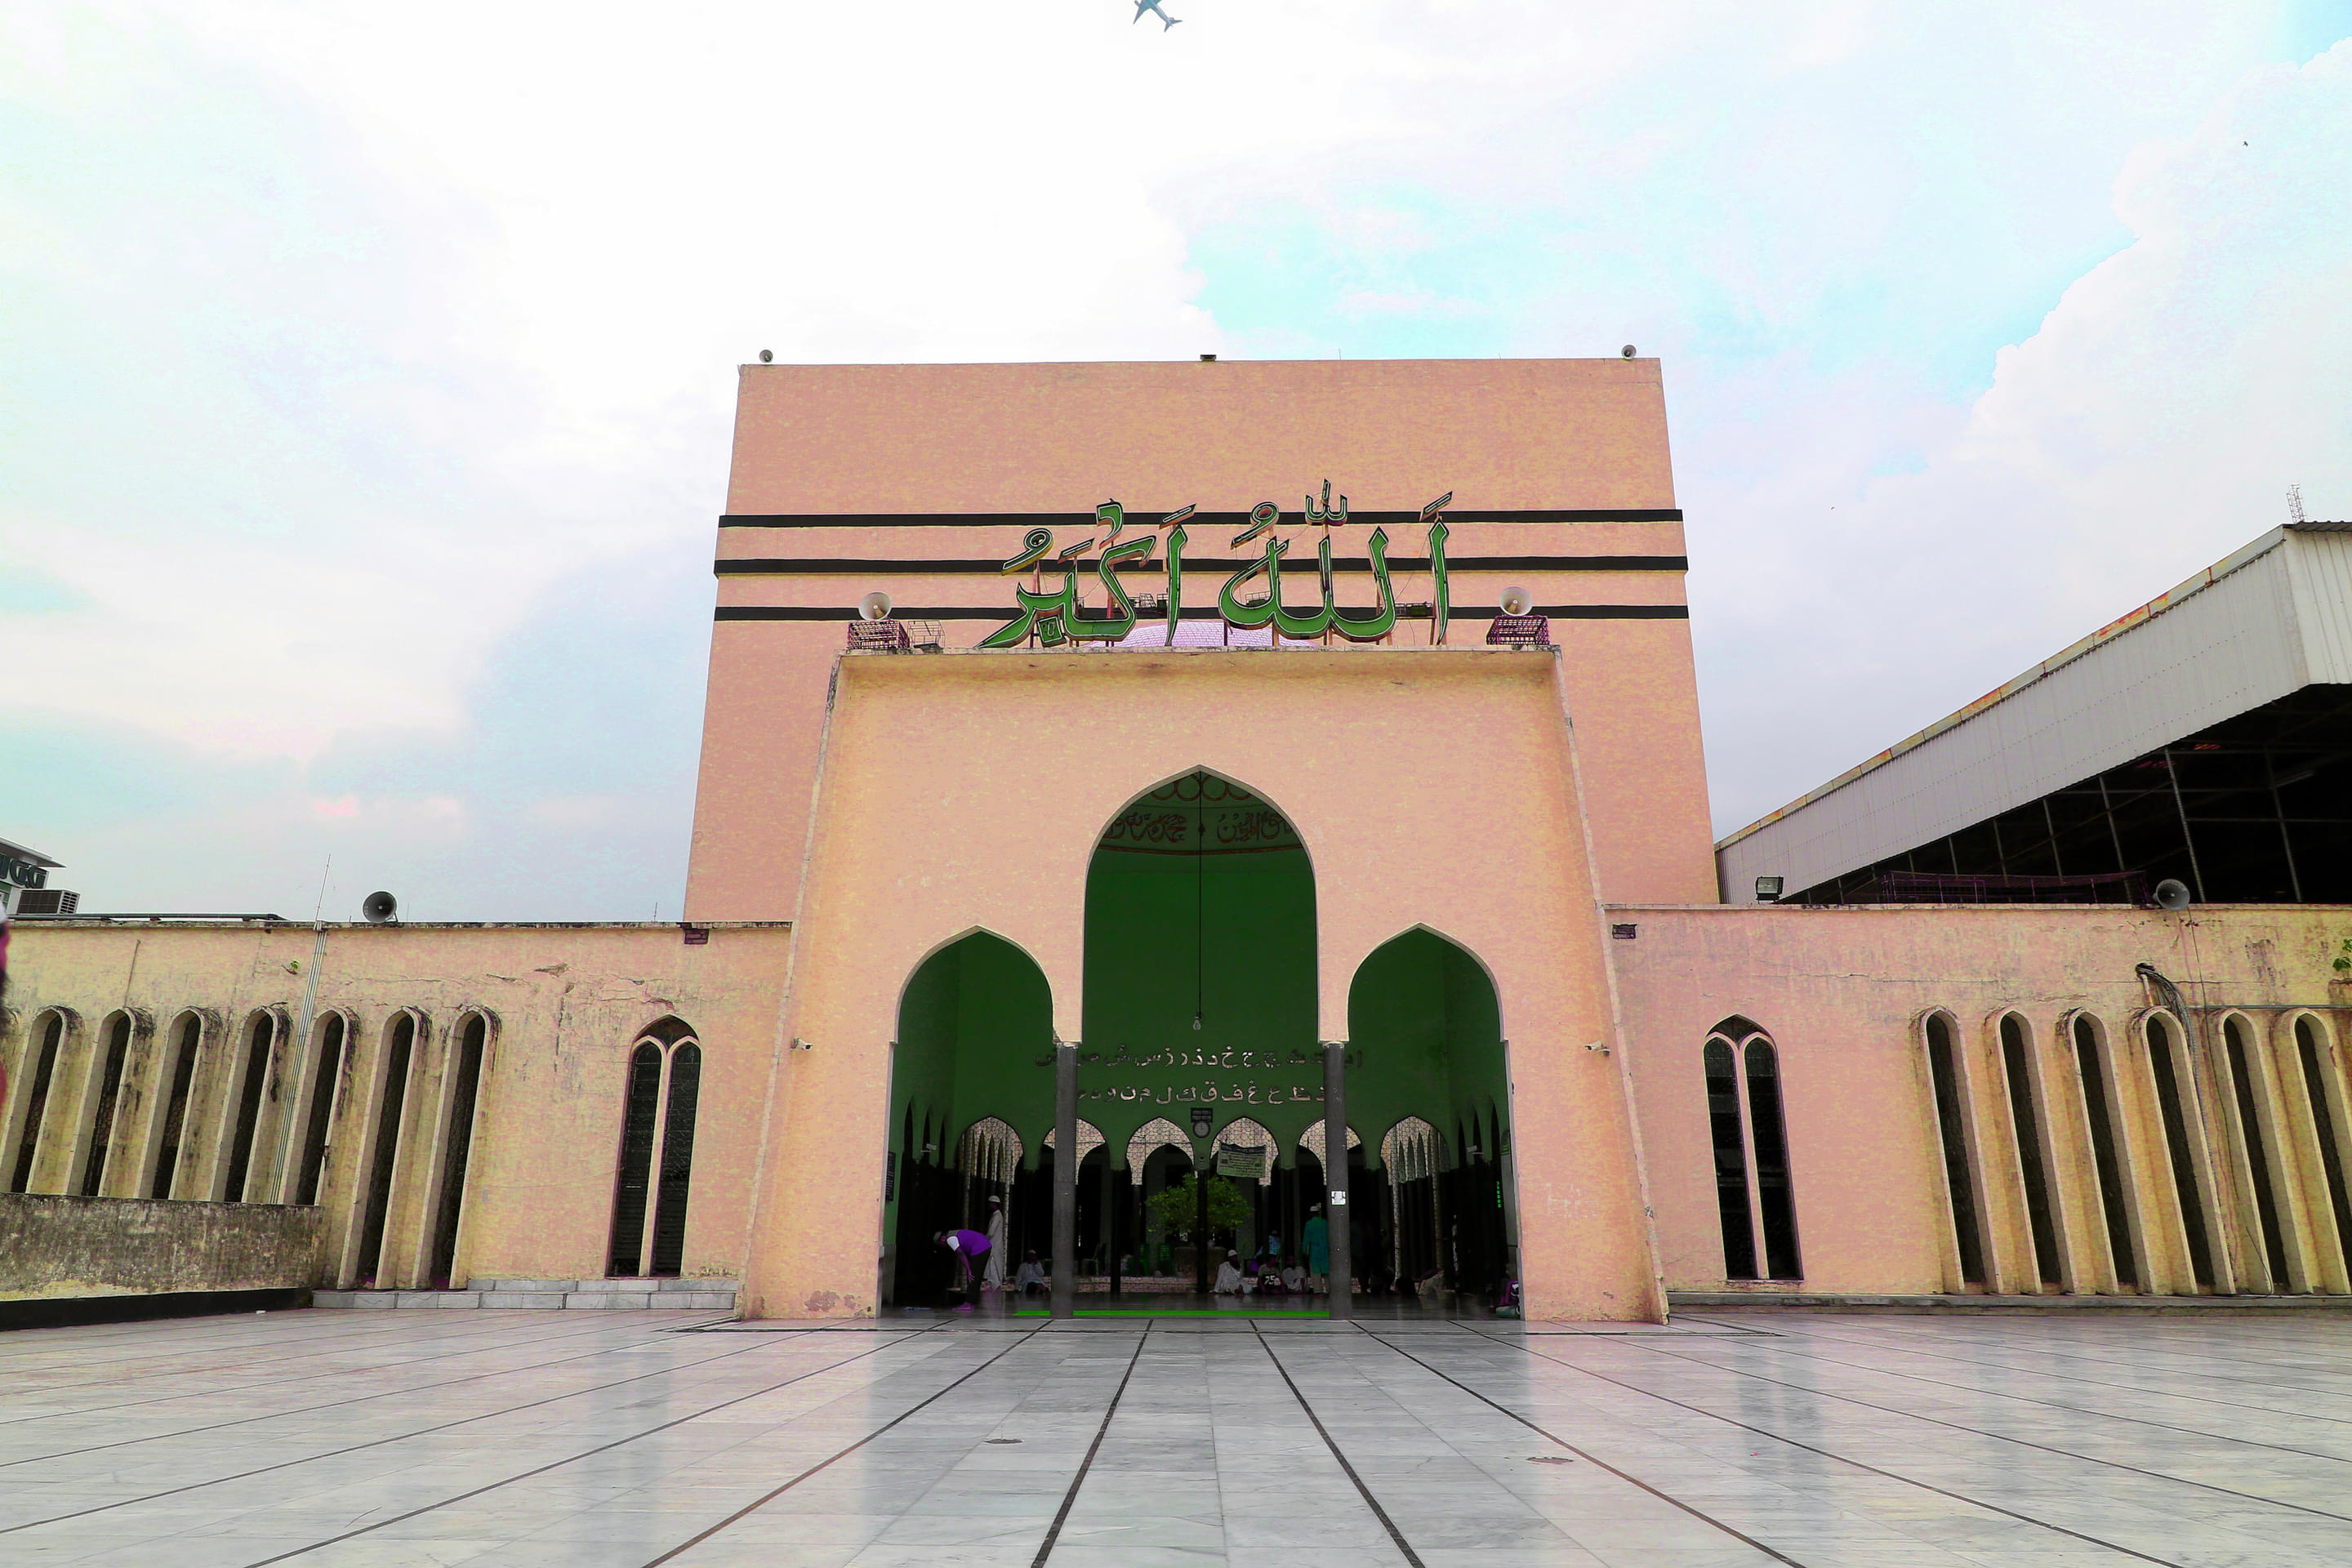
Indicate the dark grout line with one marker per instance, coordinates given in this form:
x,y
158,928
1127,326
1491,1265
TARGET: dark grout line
x,y
400,1438
762,1501
1857,1464
2068,1354
1045,1549
511,1342
1370,1501
1586,1455
2045,1404
1980,1432
323,1405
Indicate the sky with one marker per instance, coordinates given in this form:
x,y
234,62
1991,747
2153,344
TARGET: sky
x,y
366,372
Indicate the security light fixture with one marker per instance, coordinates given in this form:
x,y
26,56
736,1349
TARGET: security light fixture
x,y
1627,350
767,356
1767,889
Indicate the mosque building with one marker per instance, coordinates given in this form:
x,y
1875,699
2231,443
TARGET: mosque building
x,y
1289,770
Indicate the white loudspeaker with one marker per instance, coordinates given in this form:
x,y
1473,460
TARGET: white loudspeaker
x,y
378,909
2172,894
874,607
1516,602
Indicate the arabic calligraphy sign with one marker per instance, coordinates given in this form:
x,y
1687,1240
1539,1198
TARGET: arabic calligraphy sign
x,y
1054,618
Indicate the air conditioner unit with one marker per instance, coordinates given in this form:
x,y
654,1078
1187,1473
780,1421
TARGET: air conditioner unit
x,y
46,901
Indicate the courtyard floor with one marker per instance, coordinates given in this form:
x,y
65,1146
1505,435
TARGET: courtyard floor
x,y
634,1438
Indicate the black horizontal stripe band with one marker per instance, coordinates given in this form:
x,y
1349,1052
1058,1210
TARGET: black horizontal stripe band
x,y
1006,612
1145,517
818,566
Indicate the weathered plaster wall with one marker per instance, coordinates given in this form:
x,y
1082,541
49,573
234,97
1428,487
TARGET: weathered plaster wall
x,y
63,1246
563,1006
1432,787
1844,993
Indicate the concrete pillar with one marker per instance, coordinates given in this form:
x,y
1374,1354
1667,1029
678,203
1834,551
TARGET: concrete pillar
x,y
1065,1178
1335,1171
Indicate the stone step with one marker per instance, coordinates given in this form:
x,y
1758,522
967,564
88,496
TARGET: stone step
x,y
549,1294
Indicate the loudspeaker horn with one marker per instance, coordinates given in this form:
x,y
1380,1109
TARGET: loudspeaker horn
x,y
874,607
2172,894
380,909
1516,602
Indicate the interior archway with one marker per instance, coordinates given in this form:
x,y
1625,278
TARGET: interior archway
x,y
974,1054
1199,996
1423,1017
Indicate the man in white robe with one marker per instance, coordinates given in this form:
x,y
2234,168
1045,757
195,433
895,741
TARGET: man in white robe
x,y
993,1279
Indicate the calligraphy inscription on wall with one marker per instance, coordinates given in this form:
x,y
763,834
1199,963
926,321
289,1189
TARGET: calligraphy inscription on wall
x,y
1052,616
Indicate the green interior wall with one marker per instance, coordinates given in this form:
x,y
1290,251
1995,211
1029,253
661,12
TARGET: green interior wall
x,y
1214,915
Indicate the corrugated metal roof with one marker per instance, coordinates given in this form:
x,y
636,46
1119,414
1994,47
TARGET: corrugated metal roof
x,y
2273,617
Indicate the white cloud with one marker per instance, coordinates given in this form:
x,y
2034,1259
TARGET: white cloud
x,y
2149,427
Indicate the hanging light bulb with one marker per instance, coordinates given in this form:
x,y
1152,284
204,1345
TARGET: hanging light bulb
x,y
1196,1020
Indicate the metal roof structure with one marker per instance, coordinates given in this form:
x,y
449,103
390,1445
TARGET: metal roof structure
x,y
9,851
2271,619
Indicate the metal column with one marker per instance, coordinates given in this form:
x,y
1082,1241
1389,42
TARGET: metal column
x,y
1335,1175
1065,1178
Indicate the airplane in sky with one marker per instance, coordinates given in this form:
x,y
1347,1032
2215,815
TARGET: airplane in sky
x,y
1166,21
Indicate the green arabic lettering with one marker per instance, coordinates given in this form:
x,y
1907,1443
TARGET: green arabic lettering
x,y
1315,623
1262,517
1249,616
1382,621
1440,606
1033,546
1051,615
1175,580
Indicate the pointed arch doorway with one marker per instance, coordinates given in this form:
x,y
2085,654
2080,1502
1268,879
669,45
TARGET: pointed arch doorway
x,y
1199,1015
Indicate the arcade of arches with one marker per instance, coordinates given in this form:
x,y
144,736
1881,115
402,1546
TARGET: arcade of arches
x,y
1199,1006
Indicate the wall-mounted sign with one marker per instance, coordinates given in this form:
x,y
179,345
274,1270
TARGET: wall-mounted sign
x,y
1053,616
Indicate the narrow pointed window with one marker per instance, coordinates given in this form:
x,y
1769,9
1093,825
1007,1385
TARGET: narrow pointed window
x,y
382,1168
2321,1086
677,1160
2242,1066
2032,1156
2105,1159
261,1034
2170,1066
109,1096
457,1143
36,1103
1730,1162
178,1086
1775,1198
641,1100
1951,1125
326,1076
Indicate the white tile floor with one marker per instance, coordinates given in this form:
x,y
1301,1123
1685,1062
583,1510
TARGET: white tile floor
x,y
530,1439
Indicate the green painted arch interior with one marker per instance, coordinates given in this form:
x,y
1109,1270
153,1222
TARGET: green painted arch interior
x,y
1200,900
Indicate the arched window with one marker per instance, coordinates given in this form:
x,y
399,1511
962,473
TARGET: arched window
x,y
1775,1198
2324,1089
1155,1134
1944,1078
252,1079
677,1160
2167,1060
115,1047
2025,1122
1743,1081
656,1160
179,1084
383,1154
2250,1127
326,1081
457,1146
2099,1114
1725,1128
640,1103
51,1033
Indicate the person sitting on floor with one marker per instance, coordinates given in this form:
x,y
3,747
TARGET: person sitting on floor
x,y
1294,1278
1031,1279
1229,1276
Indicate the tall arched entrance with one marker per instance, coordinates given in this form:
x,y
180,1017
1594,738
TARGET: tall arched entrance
x,y
1198,1018
1426,1026
972,1098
